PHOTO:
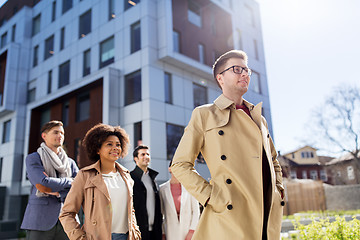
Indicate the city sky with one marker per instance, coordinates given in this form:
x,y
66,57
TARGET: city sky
x,y
311,46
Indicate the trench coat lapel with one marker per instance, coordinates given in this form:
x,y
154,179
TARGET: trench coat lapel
x,y
99,183
255,112
98,180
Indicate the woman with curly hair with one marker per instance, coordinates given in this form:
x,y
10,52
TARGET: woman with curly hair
x,y
103,189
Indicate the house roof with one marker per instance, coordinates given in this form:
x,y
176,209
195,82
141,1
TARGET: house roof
x,y
346,157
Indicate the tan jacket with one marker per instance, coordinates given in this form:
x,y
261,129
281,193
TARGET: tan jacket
x,y
89,191
232,146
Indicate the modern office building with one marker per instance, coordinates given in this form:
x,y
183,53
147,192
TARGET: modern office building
x,y
141,64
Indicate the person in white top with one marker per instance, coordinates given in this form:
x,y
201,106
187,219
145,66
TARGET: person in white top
x,y
180,209
104,190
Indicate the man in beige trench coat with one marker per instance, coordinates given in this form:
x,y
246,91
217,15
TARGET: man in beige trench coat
x,y
244,197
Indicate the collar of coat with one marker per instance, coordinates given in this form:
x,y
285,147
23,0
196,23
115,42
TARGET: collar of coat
x,y
223,103
137,172
97,180
96,166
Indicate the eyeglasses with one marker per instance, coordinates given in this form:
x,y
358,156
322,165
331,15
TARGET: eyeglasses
x,y
238,70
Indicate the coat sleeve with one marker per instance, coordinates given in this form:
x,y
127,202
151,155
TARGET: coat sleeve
x,y
183,161
71,207
195,210
38,178
74,170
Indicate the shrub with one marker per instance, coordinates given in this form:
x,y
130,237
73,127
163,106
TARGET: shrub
x,y
323,229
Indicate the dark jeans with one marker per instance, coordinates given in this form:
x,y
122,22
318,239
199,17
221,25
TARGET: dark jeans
x,y
119,236
56,233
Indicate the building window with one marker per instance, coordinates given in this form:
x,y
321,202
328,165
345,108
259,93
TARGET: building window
x,y
36,25
201,53
6,131
62,38
314,175
176,41
239,40
194,13
249,16
1,163
49,47
111,9
45,116
107,52
133,87
53,11
3,40
130,3
307,155
168,88
65,113
213,23
13,33
31,92
200,95
36,56
293,174
323,175
137,134
350,173
83,107
304,174
86,67
77,147
255,82
85,24
66,5
256,50
49,86
64,74
135,37
173,136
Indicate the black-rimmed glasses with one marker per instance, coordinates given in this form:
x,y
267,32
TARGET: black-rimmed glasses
x,y
238,70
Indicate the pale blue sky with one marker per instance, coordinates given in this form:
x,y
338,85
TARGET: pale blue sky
x,y
311,46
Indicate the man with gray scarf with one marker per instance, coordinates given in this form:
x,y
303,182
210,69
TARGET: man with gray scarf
x,y
51,173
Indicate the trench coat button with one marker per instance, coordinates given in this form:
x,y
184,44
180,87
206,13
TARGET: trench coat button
x,y
229,207
94,223
282,203
223,157
228,181
221,132
268,135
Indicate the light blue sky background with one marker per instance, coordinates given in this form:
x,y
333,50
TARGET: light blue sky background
x,y
311,46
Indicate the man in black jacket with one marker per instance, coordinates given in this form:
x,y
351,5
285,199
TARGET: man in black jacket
x,y
146,196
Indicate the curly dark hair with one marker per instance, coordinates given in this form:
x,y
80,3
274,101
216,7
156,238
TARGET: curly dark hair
x,y
98,134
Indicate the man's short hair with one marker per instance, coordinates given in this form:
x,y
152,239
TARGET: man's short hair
x,y
222,60
49,125
136,150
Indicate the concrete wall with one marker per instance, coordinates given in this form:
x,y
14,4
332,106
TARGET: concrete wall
x,y
342,197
